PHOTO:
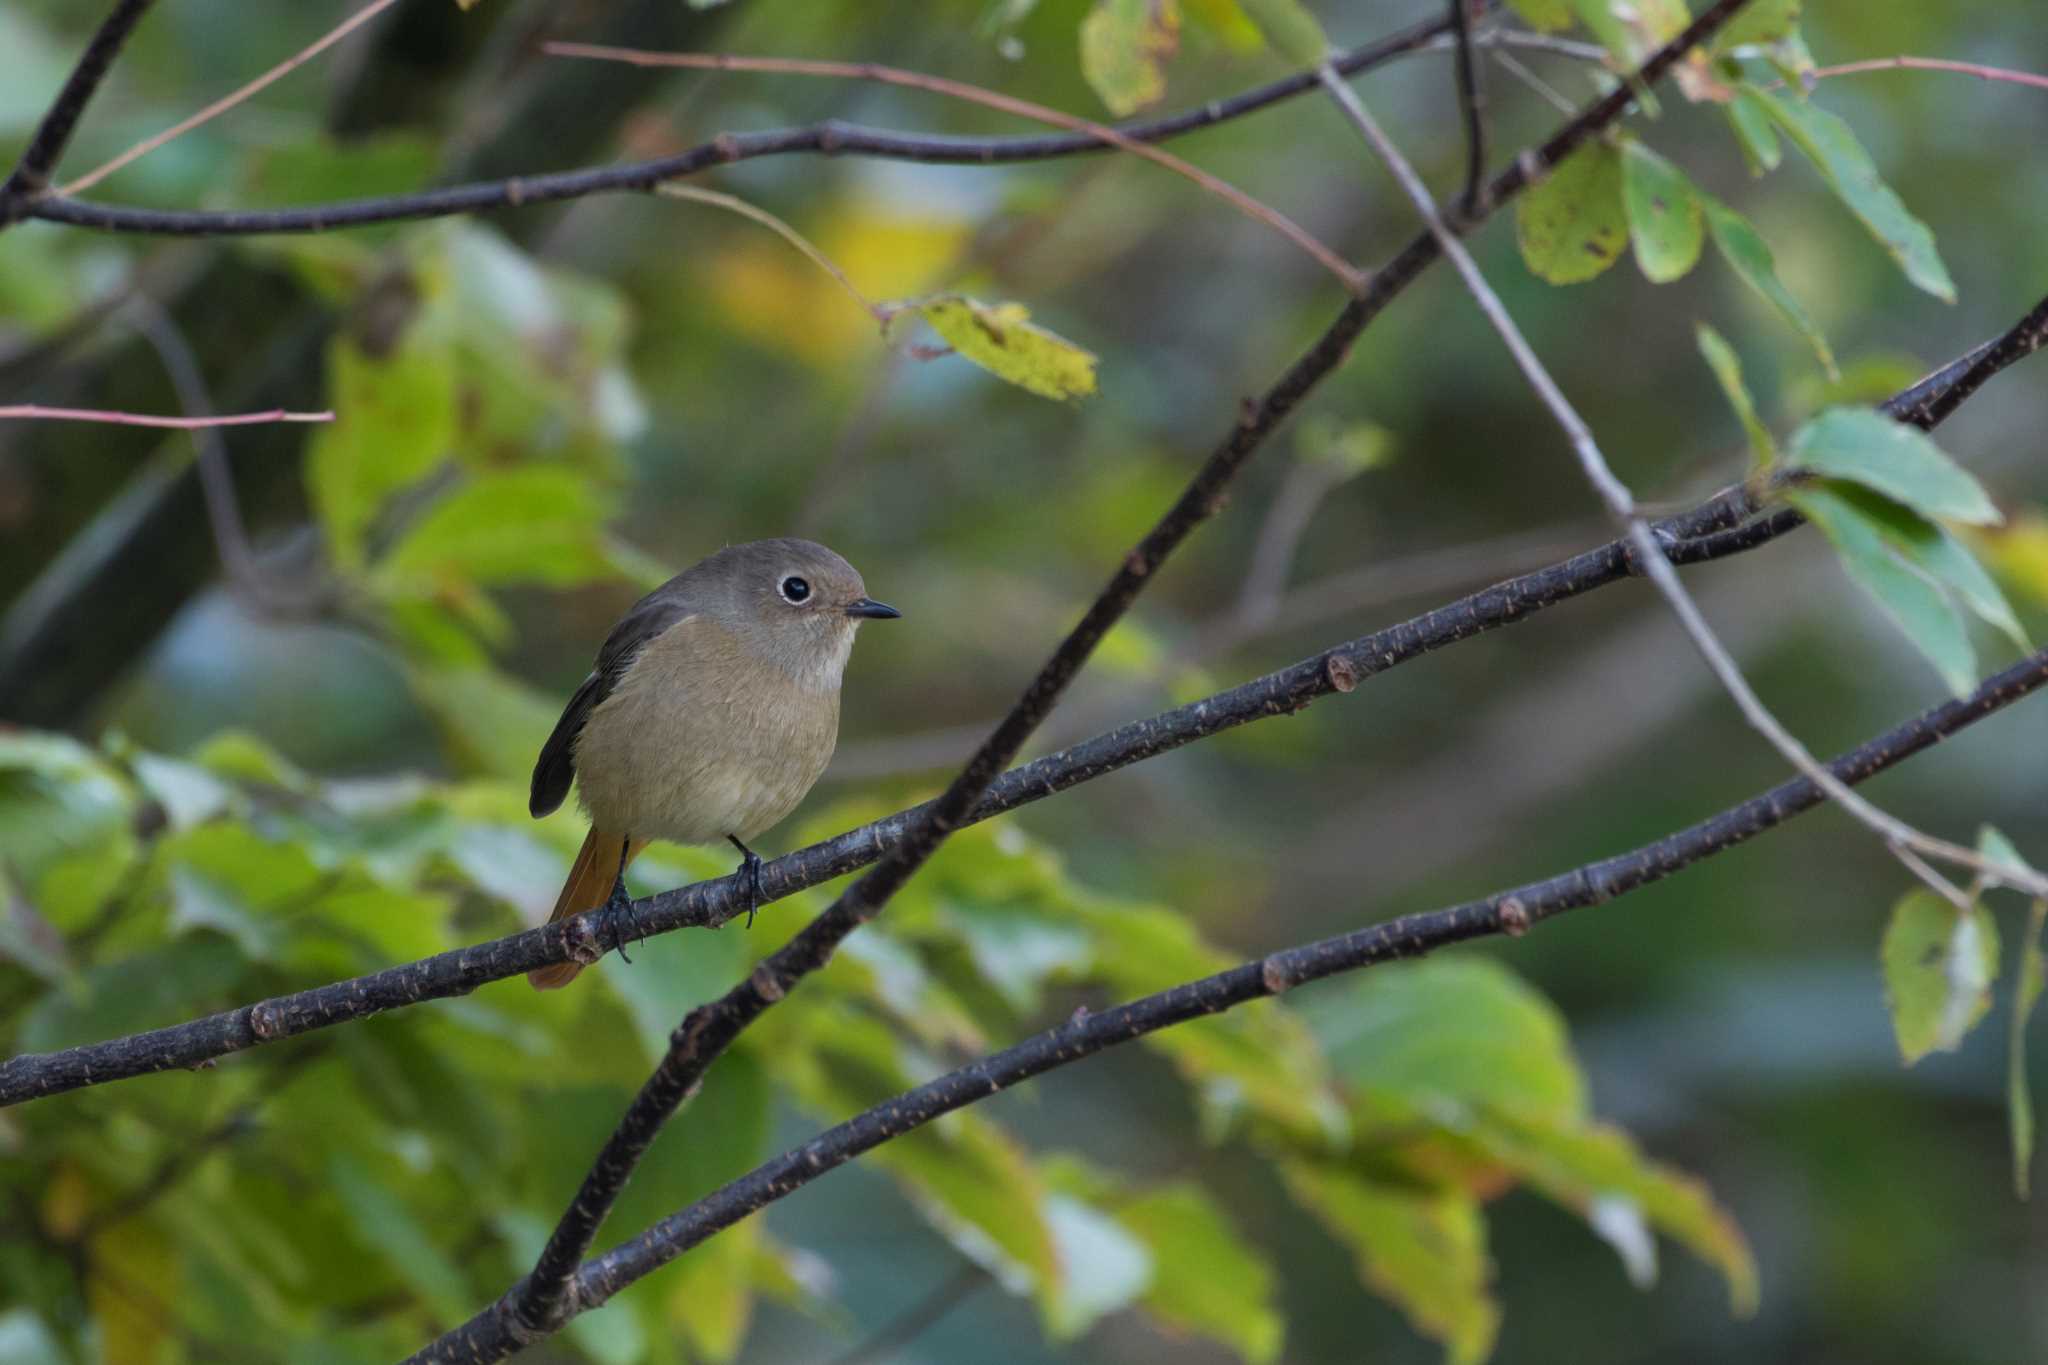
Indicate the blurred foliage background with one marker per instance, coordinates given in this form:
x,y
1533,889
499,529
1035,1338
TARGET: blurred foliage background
x,y
216,785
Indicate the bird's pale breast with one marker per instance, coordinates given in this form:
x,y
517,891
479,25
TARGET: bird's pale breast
x,y
701,739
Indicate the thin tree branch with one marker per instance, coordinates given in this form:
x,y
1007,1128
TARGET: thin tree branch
x,y
709,1029
229,101
1471,101
830,138
1258,210
1512,912
1716,528
38,412
30,178
1650,555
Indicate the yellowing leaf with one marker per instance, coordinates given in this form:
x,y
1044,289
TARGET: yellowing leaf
x,y
1571,226
1423,1250
1545,16
1939,964
1125,46
1002,340
1207,1278
1228,21
1290,29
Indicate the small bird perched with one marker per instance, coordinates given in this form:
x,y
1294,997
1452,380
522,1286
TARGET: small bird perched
x,y
713,707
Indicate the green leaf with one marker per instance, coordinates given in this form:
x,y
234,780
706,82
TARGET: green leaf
x,y
1900,461
1571,225
1545,16
387,1226
1937,553
1663,213
540,524
490,722
1103,1267
1125,46
1290,30
1939,964
1917,605
394,420
1750,256
1761,21
1597,1171
1727,368
1752,123
1002,340
1228,22
1831,145
1425,1251
1206,1278
57,798
1453,1031
2019,1103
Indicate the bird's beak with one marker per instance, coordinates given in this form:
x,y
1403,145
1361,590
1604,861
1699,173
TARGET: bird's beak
x,y
871,609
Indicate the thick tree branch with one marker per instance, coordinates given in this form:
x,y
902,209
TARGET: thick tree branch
x,y
491,1336
31,176
1719,527
706,1032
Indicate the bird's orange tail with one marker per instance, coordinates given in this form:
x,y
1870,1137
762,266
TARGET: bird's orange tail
x,y
589,886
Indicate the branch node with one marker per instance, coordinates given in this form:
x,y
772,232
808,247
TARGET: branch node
x,y
766,983
1274,976
266,1020
1513,916
1248,409
579,939
726,147
515,191
1342,673
1136,564
1532,167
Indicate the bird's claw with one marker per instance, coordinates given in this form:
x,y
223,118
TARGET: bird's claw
x,y
750,863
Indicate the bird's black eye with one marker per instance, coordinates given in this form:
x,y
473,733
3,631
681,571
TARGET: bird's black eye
x,y
795,589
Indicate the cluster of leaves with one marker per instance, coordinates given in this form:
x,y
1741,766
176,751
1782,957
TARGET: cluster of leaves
x,y
365,1185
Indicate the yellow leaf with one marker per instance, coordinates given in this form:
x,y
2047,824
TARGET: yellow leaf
x,y
1125,46
1002,340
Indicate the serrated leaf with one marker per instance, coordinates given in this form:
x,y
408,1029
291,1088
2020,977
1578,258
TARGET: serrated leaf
x,y
1936,552
1900,461
1727,368
394,419
1919,608
1424,1251
539,524
1002,340
1939,964
1752,124
1571,226
1744,248
1598,1171
1831,145
1663,213
1452,1031
1125,46
1206,1277
1290,30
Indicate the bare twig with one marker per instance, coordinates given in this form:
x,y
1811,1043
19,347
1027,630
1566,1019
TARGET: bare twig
x,y
1511,912
754,212
30,179
38,412
1471,101
2001,74
227,102
1347,274
1649,553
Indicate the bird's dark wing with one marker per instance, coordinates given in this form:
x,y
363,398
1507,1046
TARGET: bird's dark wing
x,y
650,616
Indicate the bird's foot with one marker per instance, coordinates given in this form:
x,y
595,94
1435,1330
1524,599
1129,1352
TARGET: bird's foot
x,y
619,917
751,865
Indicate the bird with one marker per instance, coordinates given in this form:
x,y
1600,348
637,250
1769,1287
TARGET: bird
x,y
712,708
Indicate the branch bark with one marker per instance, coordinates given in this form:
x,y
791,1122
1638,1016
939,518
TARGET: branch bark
x,y
26,185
